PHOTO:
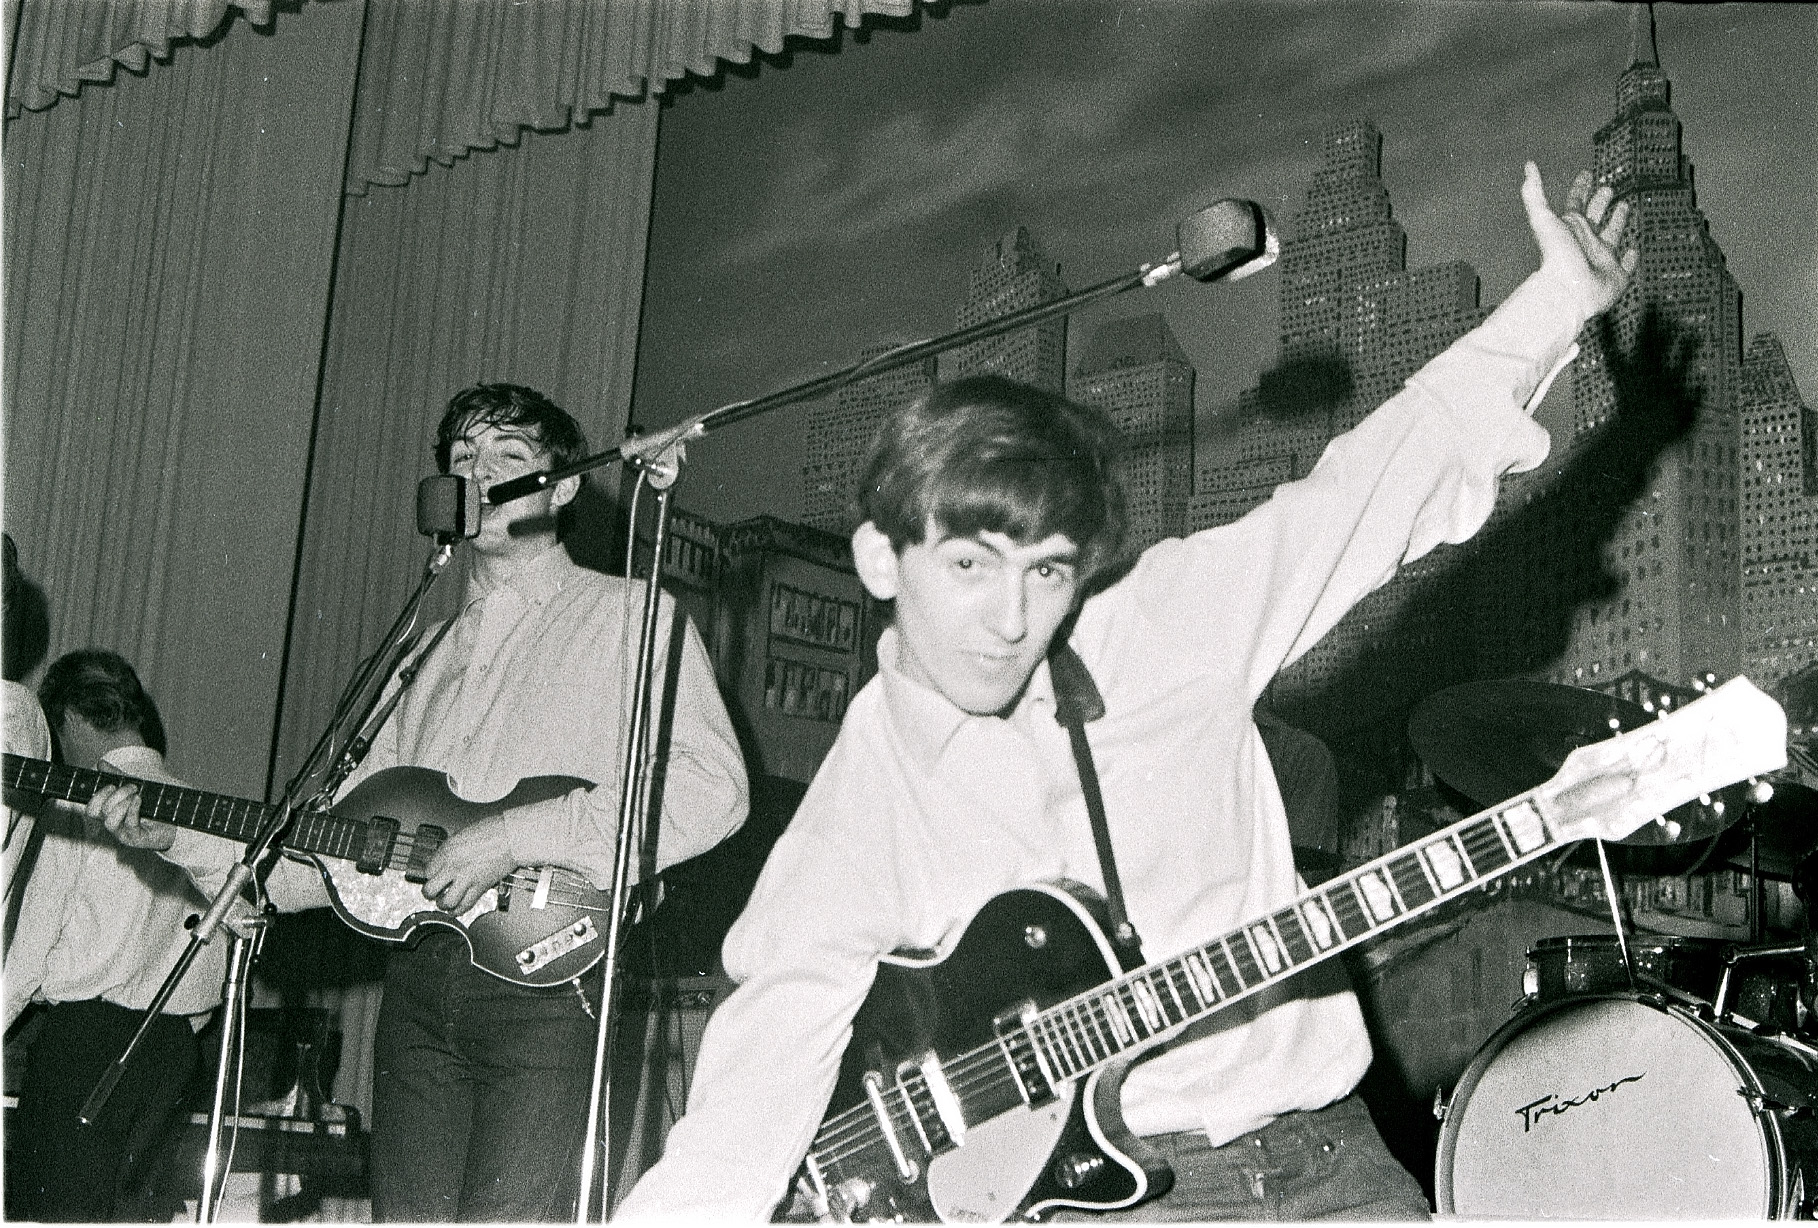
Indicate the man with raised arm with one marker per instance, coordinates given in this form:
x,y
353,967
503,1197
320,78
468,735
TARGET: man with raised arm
x,y
993,521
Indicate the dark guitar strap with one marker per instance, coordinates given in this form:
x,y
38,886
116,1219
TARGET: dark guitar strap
x,y
1076,702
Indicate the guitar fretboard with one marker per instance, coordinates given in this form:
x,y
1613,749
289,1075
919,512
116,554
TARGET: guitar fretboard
x,y
1072,1037
311,831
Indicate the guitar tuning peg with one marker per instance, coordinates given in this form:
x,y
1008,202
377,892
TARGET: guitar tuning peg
x,y
1760,791
1717,807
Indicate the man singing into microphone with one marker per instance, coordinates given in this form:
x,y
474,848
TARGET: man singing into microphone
x,y
994,524
480,1090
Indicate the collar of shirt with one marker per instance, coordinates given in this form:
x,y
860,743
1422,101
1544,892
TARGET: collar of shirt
x,y
535,580
927,721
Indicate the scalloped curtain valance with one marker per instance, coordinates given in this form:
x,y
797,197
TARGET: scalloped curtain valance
x,y
439,78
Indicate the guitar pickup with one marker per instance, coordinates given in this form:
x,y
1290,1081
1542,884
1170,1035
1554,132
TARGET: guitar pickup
x,y
375,849
423,846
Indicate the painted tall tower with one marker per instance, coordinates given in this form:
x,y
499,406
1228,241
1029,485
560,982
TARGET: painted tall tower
x,y
840,429
1675,612
1779,532
1136,370
1011,275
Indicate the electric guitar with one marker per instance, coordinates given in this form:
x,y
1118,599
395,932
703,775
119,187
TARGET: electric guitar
x,y
985,1082
541,925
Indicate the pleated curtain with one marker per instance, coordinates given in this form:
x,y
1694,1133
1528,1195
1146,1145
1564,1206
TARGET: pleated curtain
x,y
244,275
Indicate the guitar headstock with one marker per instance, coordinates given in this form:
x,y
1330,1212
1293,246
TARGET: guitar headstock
x,y
1608,789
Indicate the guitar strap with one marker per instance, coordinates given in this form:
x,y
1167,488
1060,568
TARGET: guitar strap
x,y
1076,702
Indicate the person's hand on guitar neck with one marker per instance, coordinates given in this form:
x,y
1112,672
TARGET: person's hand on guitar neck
x,y
116,808
470,864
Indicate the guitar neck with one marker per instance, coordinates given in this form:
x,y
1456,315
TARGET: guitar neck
x,y
233,818
1076,1036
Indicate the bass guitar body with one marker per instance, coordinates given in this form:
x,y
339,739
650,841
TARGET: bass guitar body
x,y
542,925
1025,950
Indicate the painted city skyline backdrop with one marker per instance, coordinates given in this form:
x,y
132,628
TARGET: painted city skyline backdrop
x,y
811,207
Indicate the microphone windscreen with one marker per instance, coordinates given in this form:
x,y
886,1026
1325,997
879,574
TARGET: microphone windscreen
x,y
1227,240
448,506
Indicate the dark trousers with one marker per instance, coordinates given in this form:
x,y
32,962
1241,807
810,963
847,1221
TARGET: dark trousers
x,y
480,1091
62,1170
1326,1164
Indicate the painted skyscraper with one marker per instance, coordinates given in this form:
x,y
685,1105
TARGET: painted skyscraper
x,y
1136,371
1779,533
1675,612
1355,323
1011,275
839,432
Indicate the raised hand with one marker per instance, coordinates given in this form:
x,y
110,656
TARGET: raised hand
x,y
1582,243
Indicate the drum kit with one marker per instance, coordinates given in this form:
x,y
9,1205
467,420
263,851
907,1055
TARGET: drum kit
x,y
1642,1076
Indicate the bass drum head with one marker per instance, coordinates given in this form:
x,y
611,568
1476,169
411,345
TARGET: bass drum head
x,y
1605,1108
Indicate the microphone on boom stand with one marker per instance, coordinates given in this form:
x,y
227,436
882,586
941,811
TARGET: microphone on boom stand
x,y
1227,240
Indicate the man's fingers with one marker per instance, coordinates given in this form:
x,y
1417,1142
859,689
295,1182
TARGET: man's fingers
x,y
1614,225
1600,200
1533,192
1580,194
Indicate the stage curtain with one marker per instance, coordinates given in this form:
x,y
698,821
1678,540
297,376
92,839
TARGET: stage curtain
x,y
168,242
526,268
442,79
58,45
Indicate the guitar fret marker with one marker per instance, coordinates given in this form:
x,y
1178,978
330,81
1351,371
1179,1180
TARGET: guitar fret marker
x,y
1121,1031
1374,896
1448,872
1200,977
1148,1006
1268,951
1525,827
1319,926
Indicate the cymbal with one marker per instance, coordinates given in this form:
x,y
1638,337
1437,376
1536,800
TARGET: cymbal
x,y
1492,740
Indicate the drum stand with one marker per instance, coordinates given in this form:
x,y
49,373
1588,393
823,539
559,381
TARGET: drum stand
x,y
1615,899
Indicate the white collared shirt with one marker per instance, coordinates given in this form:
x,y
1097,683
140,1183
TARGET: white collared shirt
x,y
100,920
532,680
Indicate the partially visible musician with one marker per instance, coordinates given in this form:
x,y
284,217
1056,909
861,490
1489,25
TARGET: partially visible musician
x,y
27,628
481,1086
993,520
100,927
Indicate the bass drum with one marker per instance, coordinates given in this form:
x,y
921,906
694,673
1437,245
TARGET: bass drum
x,y
1613,1106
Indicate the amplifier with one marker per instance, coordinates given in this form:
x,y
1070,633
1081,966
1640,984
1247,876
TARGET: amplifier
x,y
653,1060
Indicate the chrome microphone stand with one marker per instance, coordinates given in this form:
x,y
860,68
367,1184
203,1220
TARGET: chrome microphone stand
x,y
659,471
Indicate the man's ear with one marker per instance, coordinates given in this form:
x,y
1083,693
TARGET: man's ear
x,y
875,559
564,491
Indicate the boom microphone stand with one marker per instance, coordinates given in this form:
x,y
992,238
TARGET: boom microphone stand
x,y
1226,241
